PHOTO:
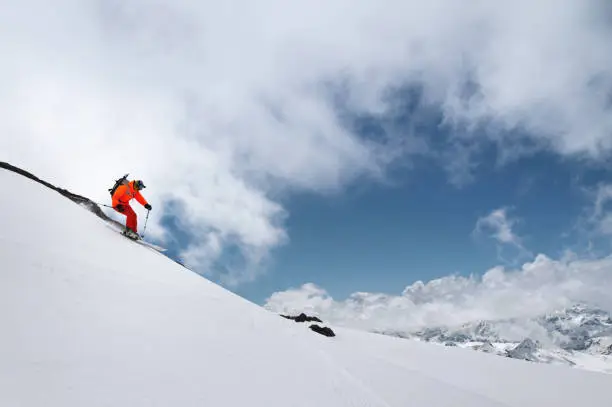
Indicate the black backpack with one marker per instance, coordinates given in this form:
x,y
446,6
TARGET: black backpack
x,y
120,181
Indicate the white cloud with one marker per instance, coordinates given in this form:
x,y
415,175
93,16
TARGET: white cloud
x,y
222,106
500,225
537,287
600,216
593,227
500,228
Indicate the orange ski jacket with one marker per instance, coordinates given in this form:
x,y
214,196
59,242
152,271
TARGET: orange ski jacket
x,y
125,193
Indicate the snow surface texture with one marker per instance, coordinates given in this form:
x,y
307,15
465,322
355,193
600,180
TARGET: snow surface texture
x,y
578,336
90,318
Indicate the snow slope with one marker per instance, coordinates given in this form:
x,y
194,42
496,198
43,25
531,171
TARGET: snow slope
x,y
90,318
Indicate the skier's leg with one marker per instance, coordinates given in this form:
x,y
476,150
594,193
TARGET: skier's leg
x,y
121,210
132,221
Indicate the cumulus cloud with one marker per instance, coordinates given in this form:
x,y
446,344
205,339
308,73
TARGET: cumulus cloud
x,y
500,225
226,107
540,286
601,217
593,227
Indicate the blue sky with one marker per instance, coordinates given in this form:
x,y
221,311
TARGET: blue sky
x,y
422,225
383,238
421,222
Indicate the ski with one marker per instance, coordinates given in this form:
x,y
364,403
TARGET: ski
x,y
151,245
144,242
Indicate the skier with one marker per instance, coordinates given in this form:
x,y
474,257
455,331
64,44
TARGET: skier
x,y
121,203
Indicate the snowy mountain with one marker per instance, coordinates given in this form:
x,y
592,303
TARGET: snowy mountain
x,y
579,336
90,318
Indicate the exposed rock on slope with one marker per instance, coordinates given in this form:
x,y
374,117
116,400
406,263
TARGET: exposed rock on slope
x,y
326,331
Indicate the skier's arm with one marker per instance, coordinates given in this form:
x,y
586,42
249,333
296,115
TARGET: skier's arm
x,y
141,199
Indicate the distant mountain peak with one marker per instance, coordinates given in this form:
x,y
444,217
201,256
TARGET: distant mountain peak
x,y
574,335
525,350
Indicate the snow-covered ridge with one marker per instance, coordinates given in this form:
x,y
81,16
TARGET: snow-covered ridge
x,y
79,199
579,336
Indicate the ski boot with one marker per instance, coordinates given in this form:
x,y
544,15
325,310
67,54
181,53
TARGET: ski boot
x,y
130,234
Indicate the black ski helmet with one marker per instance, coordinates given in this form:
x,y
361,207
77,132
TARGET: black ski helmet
x,y
138,184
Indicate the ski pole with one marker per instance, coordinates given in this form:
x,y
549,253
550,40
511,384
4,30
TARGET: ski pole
x,y
101,204
145,226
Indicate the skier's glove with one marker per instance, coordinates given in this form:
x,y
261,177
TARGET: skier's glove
x,y
148,207
119,207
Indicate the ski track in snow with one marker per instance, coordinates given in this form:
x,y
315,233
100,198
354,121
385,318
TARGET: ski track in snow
x,y
90,319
